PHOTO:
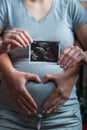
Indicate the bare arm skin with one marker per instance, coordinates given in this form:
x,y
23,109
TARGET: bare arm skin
x,y
18,91
16,86
64,85
64,82
84,4
76,54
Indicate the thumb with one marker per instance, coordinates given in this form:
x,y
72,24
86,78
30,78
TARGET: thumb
x,y
48,77
33,77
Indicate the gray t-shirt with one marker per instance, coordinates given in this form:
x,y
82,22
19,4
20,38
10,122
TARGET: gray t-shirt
x,y
63,18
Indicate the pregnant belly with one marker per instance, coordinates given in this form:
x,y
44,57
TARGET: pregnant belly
x,y
39,91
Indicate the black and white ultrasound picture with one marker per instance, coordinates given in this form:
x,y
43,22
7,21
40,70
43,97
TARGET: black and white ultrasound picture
x,y
41,51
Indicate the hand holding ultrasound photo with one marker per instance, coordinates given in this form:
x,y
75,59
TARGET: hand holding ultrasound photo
x,y
44,51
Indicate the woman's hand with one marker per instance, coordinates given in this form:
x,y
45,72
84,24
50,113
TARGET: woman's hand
x,y
64,85
15,84
72,56
15,38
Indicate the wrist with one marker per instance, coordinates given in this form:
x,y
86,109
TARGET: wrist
x,y
6,73
73,73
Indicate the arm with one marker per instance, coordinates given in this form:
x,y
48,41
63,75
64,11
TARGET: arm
x,y
82,31
64,85
76,54
16,86
84,4
73,55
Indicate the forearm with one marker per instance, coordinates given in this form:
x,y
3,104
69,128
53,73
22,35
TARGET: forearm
x,y
6,66
73,73
77,43
84,4
1,47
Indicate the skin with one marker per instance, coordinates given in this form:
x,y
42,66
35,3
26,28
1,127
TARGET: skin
x,y
14,38
64,82
71,56
74,55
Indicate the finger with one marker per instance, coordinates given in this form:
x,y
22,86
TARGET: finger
x,y
28,98
12,42
72,60
73,56
26,41
22,106
33,77
55,106
67,57
48,77
23,34
64,53
27,104
36,78
49,101
18,39
26,34
56,96
77,61
56,103
80,58
12,35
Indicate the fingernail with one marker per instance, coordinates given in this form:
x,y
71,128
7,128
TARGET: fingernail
x,y
61,65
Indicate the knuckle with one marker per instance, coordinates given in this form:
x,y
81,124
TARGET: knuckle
x,y
72,47
60,91
12,40
64,52
72,57
24,32
46,76
76,60
20,90
77,47
16,36
67,55
20,33
35,76
65,97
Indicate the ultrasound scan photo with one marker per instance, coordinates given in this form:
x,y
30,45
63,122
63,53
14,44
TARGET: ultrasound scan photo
x,y
43,51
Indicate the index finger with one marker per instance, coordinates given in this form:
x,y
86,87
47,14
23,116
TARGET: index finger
x,y
26,34
49,101
28,97
64,53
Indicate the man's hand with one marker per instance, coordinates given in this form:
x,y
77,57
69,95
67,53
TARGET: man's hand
x,y
72,56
